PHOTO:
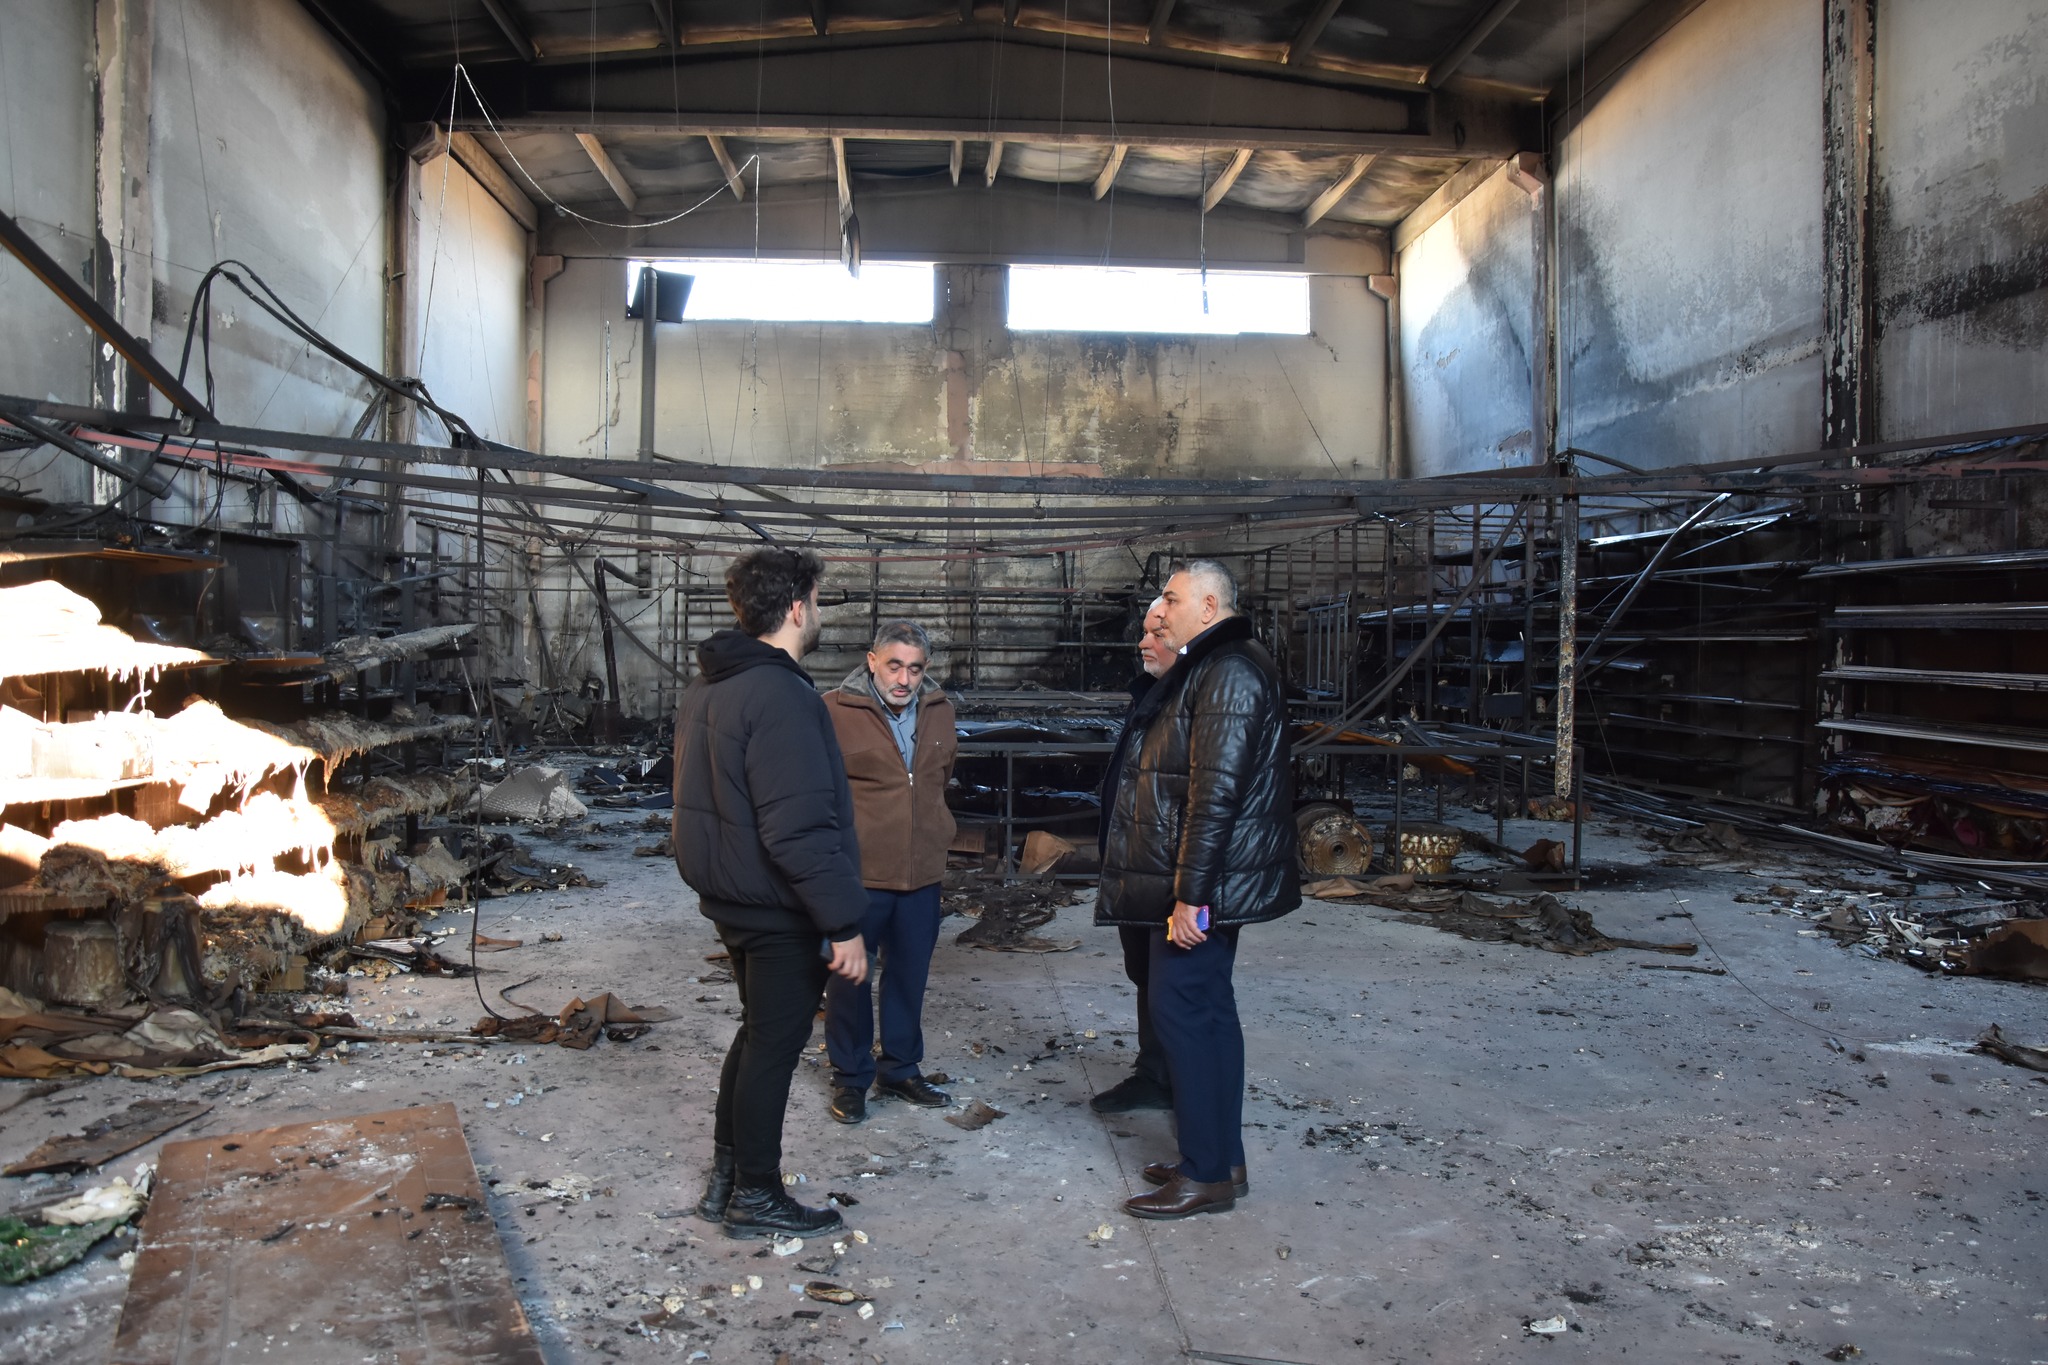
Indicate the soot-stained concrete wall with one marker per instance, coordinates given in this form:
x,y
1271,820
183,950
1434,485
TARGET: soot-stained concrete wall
x,y
965,388
268,147
1467,316
46,184
472,306
1962,215
1689,245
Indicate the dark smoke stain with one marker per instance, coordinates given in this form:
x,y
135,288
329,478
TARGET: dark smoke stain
x,y
1970,270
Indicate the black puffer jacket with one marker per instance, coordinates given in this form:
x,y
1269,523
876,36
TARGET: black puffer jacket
x,y
764,817
1205,796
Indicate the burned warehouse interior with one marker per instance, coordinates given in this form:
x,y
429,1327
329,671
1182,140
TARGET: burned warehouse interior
x,y
1613,430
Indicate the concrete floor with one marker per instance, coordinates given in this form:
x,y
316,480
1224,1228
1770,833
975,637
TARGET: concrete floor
x,y
1679,1165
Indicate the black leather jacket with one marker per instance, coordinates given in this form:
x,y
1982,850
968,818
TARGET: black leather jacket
x,y
1205,795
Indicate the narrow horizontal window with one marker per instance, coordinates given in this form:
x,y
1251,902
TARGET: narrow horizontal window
x,y
799,291
1060,298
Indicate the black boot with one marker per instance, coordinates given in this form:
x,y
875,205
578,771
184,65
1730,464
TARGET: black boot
x,y
767,1211
717,1186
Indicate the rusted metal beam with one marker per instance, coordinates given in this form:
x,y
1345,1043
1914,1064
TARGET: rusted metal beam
x,y
1779,473
1848,319
79,300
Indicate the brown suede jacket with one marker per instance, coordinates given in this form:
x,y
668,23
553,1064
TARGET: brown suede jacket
x,y
901,817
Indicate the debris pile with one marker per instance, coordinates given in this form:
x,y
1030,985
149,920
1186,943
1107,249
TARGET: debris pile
x,y
1543,921
1935,928
642,784
1005,916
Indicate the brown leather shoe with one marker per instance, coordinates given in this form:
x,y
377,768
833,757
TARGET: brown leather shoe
x,y
1159,1172
1181,1197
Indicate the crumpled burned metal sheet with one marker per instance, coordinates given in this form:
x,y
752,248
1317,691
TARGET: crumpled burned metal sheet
x,y
1004,917
109,1137
1996,1044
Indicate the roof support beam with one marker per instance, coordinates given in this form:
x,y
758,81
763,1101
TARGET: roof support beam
x,y
603,161
1220,186
733,181
1107,176
994,162
1586,80
845,181
485,170
1155,32
958,158
1312,32
819,18
932,85
1334,195
1469,43
1447,196
966,11
514,34
665,20
1010,13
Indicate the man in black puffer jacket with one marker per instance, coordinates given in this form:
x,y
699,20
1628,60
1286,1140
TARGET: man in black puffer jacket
x,y
764,833
1201,843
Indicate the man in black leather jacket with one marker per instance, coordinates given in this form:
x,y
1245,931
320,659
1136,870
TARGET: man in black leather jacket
x,y
1201,843
1150,1084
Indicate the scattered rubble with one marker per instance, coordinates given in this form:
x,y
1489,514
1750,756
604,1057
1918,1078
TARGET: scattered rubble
x,y
1937,928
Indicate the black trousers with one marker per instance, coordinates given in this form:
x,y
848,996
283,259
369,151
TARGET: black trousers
x,y
1151,1061
780,976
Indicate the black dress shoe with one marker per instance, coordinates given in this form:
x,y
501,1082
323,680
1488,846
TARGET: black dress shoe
x,y
1181,1197
848,1105
717,1186
917,1090
1130,1093
1159,1172
768,1211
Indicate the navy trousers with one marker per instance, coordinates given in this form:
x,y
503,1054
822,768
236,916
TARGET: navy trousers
x,y
1194,1011
1151,1061
901,928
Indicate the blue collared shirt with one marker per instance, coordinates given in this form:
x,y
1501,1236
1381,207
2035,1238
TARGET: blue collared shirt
x,y
903,726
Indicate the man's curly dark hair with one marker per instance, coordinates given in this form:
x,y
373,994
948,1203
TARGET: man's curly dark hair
x,y
763,584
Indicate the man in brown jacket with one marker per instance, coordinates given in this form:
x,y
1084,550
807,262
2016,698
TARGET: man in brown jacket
x,y
895,727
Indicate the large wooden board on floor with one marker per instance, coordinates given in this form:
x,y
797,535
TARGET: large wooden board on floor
x,y
314,1242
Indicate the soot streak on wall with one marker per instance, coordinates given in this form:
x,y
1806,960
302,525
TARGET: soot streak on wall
x,y
1466,315
805,394
1689,245
1962,215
